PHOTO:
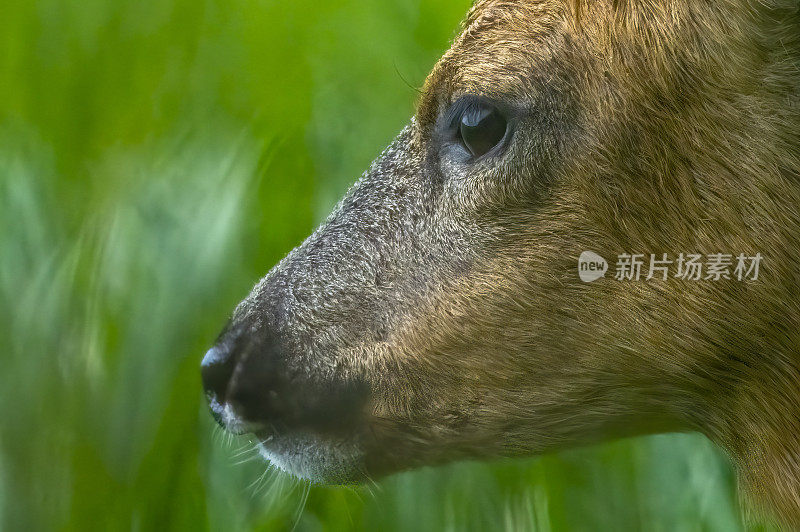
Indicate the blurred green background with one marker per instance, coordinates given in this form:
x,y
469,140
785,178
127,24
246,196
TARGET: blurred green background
x,y
156,159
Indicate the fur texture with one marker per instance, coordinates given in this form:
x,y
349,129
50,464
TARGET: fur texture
x,y
448,287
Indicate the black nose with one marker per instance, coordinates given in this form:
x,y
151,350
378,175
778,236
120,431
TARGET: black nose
x,y
216,369
248,377
245,379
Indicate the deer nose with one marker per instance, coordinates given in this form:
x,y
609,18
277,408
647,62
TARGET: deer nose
x,y
216,371
251,386
242,376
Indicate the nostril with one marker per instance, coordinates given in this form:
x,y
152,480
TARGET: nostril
x,y
254,392
216,369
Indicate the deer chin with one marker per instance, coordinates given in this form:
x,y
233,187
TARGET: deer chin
x,y
320,459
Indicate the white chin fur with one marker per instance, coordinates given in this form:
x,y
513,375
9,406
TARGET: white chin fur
x,y
310,458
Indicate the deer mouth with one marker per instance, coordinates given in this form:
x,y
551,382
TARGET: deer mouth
x,y
319,458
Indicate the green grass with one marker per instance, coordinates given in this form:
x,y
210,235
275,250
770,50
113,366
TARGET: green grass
x,y
156,158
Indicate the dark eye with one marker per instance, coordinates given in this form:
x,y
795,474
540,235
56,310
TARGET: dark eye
x,y
481,128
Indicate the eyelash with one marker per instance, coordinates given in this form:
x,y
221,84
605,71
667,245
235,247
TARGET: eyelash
x,y
459,108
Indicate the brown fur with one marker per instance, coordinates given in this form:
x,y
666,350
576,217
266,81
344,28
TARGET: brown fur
x,y
451,289
690,122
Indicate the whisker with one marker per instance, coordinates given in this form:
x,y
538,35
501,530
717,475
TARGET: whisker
x,y
302,506
246,448
246,459
255,484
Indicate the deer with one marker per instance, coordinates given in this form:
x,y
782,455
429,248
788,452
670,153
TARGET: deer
x,y
438,313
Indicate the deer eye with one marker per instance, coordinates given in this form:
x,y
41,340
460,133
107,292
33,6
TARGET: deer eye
x,y
481,128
